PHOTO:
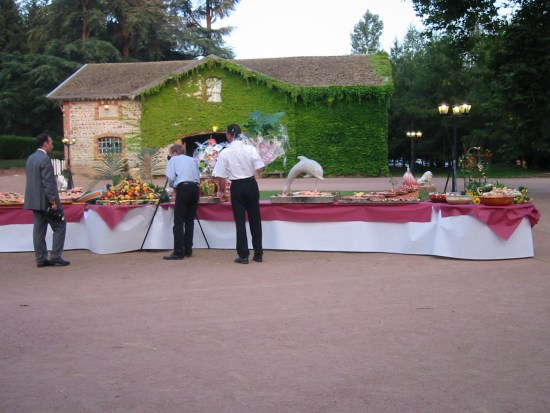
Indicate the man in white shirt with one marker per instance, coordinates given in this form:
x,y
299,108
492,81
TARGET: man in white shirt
x,y
239,163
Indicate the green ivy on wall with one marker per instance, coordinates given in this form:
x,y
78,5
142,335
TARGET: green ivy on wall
x,y
342,128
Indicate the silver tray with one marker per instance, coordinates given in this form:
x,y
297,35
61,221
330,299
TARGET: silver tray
x,y
389,201
297,199
209,200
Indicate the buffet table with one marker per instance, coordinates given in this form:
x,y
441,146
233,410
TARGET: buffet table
x,y
458,231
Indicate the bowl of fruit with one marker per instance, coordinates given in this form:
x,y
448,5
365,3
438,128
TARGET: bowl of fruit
x,y
437,197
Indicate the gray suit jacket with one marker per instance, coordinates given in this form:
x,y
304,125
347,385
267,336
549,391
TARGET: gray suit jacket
x,y
41,188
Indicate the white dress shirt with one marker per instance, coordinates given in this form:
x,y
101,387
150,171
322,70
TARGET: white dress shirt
x,y
238,161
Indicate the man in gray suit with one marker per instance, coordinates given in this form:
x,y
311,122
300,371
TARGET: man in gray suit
x,y
42,197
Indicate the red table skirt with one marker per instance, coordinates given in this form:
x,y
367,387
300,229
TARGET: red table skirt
x,y
502,220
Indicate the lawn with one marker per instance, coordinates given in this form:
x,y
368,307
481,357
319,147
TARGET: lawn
x,y
496,171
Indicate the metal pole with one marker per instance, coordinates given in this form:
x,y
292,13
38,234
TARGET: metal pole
x,y
200,226
153,217
412,154
70,184
454,155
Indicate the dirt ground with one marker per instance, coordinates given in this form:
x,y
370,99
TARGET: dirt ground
x,y
301,332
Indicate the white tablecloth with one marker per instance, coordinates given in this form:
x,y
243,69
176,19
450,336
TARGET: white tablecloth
x,y
462,236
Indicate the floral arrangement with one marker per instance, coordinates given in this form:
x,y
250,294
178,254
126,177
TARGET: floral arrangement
x,y
474,166
270,147
207,154
269,136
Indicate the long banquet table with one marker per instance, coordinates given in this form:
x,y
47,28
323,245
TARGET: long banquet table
x,y
475,232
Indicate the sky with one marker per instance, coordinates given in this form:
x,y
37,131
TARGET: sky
x,y
285,28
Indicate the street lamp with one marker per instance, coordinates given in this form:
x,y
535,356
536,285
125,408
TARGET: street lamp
x,y
456,111
413,136
68,143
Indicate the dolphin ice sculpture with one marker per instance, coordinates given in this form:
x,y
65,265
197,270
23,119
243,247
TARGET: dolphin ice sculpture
x,y
306,166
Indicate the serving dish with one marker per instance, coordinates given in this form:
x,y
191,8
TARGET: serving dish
x,y
209,200
437,197
299,199
456,199
496,200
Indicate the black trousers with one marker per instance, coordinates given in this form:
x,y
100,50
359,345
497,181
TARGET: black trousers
x,y
245,199
187,201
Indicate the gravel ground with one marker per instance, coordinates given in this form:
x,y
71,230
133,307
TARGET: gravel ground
x,y
301,332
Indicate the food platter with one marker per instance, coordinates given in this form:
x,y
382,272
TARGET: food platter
x,y
303,197
455,199
209,200
496,200
299,199
11,203
388,201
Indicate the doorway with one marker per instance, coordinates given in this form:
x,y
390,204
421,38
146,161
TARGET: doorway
x,y
192,142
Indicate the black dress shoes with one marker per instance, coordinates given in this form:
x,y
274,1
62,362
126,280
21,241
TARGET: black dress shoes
x,y
188,253
173,257
45,263
240,260
257,258
59,262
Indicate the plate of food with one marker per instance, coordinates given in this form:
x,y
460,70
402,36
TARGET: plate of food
x,y
458,199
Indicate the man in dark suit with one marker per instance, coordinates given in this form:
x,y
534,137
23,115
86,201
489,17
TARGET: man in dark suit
x,y
42,197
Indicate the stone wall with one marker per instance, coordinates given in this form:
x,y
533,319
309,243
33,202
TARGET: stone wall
x,y
88,121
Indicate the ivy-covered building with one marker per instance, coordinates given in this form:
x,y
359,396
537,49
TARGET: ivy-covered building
x,y
336,108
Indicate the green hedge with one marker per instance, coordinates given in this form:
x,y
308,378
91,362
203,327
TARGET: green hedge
x,y
16,147
20,147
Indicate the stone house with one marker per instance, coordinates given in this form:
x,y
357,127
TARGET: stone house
x,y
335,107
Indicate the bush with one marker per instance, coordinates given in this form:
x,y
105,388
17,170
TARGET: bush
x,y
16,147
20,147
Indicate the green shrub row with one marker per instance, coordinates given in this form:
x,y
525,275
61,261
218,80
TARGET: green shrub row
x,y
20,147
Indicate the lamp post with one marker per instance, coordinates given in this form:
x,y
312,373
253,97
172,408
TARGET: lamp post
x,y
413,136
68,143
457,111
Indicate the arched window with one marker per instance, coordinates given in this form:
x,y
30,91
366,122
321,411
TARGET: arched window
x,y
109,144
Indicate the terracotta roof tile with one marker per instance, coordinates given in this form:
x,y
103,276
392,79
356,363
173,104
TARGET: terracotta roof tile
x,y
320,71
128,80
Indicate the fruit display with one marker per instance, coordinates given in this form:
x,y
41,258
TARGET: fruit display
x,y
502,195
437,197
208,187
133,192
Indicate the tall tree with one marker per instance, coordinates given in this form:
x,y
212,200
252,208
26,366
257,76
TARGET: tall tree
x,y
519,78
12,34
195,19
508,61
25,80
365,38
135,26
459,18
